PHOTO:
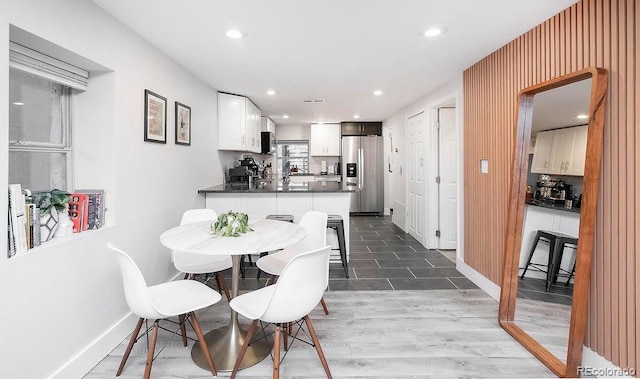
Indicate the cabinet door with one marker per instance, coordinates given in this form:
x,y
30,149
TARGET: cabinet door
x,y
333,140
267,125
372,129
561,139
252,128
542,153
318,140
231,122
350,128
576,152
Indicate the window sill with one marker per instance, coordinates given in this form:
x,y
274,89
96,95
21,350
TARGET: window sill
x,y
59,241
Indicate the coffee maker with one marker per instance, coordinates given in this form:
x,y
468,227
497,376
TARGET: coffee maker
x,y
244,175
553,190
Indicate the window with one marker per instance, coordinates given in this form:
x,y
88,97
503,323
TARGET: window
x,y
40,114
39,132
292,154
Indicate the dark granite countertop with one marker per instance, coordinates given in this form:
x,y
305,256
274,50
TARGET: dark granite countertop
x,y
277,187
545,204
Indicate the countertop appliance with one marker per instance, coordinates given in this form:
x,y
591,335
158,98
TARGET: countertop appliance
x,y
362,169
245,174
268,141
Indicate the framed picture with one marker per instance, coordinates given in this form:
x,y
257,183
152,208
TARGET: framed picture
x,y
155,117
183,124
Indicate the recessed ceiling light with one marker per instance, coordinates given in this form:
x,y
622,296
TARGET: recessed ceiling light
x,y
285,116
377,92
582,116
271,92
18,103
235,34
356,116
433,32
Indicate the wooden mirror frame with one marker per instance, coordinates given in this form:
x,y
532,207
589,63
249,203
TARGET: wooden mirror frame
x,y
515,220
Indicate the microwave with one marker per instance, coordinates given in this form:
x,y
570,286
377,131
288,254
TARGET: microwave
x,y
268,140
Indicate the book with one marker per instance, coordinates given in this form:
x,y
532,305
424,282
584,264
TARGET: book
x,y
11,240
97,207
35,223
79,211
18,217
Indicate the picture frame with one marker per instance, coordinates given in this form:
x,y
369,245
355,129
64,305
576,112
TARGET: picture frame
x,y
155,117
183,124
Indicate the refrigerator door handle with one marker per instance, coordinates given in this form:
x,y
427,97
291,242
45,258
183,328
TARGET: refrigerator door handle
x,y
361,164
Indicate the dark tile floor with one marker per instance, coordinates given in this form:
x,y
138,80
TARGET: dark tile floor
x,y
534,289
383,257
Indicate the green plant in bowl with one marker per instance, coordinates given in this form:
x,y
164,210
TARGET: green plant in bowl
x,y
231,224
50,199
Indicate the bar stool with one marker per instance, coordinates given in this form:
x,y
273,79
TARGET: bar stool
x,y
336,223
557,242
286,218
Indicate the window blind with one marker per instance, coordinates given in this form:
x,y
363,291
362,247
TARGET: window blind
x,y
31,61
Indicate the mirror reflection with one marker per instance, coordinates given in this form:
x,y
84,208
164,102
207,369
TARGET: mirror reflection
x,y
552,214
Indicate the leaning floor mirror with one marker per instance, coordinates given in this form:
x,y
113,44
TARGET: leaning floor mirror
x,y
552,215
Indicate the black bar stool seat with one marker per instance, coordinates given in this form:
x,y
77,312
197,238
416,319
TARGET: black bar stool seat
x,y
557,242
336,223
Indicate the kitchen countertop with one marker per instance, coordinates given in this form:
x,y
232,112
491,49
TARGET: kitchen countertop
x,y
277,187
544,204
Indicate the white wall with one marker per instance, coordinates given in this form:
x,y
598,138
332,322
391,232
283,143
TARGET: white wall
x,y
452,90
63,304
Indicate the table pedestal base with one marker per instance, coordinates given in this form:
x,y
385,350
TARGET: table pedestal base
x,y
224,346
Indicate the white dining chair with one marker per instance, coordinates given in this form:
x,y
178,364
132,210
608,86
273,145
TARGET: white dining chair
x,y
177,298
289,301
200,264
315,224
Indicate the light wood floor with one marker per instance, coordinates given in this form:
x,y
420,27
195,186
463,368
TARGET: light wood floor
x,y
369,334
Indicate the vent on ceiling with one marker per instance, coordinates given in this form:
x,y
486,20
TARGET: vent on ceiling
x,y
314,101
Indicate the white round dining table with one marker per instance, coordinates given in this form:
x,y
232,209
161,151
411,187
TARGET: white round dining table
x,y
225,343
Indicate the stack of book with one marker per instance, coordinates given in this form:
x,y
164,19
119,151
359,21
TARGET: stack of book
x,y
86,211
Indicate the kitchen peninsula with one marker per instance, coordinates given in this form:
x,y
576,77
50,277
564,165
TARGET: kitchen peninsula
x,y
278,197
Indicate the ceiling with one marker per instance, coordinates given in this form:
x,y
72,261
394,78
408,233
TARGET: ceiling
x,y
339,51
558,108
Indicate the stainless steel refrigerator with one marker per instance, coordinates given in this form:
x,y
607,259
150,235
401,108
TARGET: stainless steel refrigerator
x,y
362,169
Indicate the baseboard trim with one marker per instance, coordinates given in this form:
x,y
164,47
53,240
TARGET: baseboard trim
x,y
79,365
595,365
478,279
83,362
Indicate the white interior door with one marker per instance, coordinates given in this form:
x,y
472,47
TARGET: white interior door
x,y
416,185
448,187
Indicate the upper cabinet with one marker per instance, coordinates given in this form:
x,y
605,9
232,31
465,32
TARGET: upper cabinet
x,y
268,125
560,151
366,128
325,140
238,124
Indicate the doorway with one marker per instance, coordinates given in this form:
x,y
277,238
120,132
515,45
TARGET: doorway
x,y
416,205
447,182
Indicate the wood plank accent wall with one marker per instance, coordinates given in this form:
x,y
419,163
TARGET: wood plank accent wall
x,y
601,33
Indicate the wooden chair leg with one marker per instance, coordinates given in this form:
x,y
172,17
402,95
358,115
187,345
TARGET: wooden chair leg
x,y
132,341
223,284
151,350
324,306
243,350
183,330
316,344
276,352
203,343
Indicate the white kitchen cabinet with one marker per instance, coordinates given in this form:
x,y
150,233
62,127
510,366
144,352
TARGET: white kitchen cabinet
x,y
325,140
542,153
267,125
560,151
238,124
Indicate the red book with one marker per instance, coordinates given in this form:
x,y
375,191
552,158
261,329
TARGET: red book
x,y
79,211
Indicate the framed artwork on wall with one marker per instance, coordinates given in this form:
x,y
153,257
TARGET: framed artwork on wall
x,y
183,124
155,117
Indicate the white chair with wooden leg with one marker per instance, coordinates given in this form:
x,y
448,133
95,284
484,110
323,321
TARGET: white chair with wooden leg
x,y
297,292
177,298
198,264
315,224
